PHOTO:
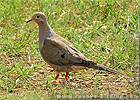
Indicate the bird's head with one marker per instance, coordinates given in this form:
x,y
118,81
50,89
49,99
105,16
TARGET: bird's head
x,y
38,17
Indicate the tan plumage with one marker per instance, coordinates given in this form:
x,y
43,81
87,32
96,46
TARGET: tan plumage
x,y
60,53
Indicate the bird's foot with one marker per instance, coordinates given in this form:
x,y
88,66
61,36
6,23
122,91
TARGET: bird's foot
x,y
55,82
64,81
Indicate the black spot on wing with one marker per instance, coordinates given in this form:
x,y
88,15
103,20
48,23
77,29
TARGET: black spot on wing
x,y
63,55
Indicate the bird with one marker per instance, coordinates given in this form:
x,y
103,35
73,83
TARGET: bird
x,y
60,54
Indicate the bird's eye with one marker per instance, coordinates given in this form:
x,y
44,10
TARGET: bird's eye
x,y
38,16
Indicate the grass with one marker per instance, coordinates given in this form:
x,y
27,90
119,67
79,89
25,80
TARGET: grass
x,y
103,30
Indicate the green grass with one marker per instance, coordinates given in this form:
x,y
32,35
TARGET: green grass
x,y
103,30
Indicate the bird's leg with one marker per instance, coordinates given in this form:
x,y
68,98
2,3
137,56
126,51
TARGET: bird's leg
x,y
55,82
56,76
66,76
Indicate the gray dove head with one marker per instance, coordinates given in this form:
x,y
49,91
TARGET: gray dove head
x,y
38,17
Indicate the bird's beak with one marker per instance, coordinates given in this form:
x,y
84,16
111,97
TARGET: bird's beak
x,y
29,21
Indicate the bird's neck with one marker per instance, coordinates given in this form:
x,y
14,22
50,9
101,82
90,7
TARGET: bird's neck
x,y
45,30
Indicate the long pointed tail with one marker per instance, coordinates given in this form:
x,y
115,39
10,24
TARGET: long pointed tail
x,y
103,68
92,64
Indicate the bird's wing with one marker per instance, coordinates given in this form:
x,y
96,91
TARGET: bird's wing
x,y
59,51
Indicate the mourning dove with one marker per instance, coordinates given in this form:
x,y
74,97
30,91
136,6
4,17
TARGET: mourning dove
x,y
59,53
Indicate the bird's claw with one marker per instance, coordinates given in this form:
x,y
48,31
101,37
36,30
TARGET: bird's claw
x,y
55,82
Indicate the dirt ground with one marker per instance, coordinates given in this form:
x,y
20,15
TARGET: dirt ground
x,y
103,84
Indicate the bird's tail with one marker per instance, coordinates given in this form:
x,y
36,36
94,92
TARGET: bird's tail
x,y
103,68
